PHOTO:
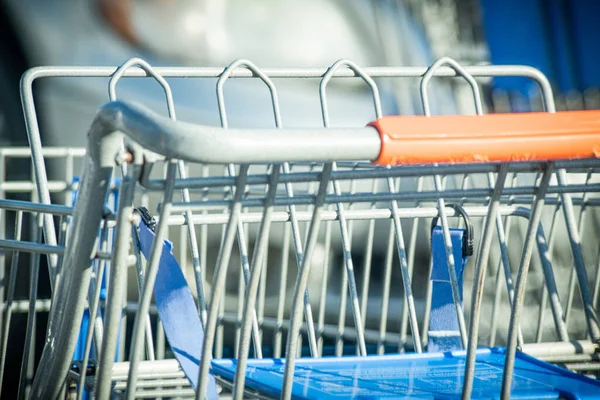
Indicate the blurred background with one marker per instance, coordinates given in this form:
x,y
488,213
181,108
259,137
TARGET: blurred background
x,y
559,37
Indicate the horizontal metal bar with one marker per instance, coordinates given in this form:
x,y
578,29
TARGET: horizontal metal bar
x,y
331,215
164,393
120,370
171,374
370,173
22,306
30,247
52,152
24,186
572,358
155,383
560,348
53,209
28,206
40,248
364,197
583,366
210,72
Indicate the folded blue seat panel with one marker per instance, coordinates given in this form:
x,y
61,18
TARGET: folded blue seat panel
x,y
414,376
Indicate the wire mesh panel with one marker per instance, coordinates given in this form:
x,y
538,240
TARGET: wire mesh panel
x,y
410,236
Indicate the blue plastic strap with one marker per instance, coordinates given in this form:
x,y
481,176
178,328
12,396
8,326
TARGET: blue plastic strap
x,y
177,311
444,333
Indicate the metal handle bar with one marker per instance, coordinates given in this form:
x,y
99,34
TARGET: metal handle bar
x,y
207,144
389,140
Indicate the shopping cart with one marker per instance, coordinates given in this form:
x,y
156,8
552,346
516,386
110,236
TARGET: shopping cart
x,y
390,323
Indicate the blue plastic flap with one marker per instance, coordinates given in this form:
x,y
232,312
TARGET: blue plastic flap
x,y
444,332
177,310
415,376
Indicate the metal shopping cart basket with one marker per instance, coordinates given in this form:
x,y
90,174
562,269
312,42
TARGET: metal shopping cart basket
x,y
496,212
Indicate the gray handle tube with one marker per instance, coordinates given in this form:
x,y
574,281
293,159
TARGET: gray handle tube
x,y
206,144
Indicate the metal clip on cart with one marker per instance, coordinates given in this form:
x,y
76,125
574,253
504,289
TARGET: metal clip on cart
x,y
303,182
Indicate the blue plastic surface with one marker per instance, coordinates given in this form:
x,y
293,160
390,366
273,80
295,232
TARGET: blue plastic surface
x,y
177,310
444,332
415,376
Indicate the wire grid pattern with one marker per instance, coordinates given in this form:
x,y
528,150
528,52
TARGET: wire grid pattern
x,y
341,209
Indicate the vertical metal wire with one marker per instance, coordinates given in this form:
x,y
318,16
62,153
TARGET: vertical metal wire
x,y
429,290
517,305
160,341
123,327
324,286
296,237
596,294
203,247
580,228
152,269
260,250
301,282
240,307
139,269
492,219
31,316
503,266
94,303
367,263
427,313
282,295
346,280
344,228
241,284
548,257
260,302
551,287
406,275
69,172
574,237
385,295
446,61
231,168
243,279
412,245
10,295
117,285
218,281
479,280
185,193
219,339
31,362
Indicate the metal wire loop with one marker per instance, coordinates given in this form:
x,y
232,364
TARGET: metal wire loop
x,y
461,71
468,242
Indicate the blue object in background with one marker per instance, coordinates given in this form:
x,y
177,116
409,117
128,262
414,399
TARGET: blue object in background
x,y
412,376
559,37
444,332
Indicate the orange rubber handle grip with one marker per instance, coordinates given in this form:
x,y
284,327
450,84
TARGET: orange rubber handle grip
x,y
488,138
